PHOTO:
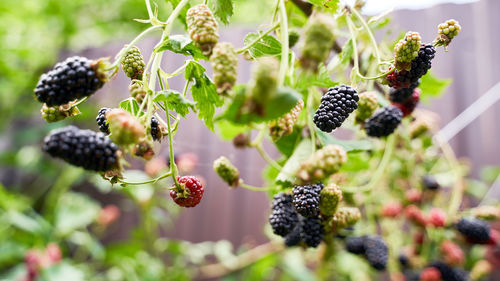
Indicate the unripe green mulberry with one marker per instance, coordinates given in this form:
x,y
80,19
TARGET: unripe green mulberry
x,y
225,64
447,31
58,113
125,129
202,28
133,63
330,197
293,37
318,41
421,125
367,105
345,217
264,82
322,164
284,125
227,171
406,50
137,91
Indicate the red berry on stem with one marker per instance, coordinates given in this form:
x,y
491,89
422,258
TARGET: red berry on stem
x,y
188,193
437,217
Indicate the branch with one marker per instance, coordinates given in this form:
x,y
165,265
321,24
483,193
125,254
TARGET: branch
x,y
241,261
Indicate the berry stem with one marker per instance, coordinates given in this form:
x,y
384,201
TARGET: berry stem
x,y
244,49
310,125
253,188
369,32
80,101
167,174
381,168
257,143
284,43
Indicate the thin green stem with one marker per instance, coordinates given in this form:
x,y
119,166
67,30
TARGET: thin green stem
x,y
284,43
148,181
173,166
379,173
80,101
125,50
310,125
370,34
253,188
350,25
150,11
262,35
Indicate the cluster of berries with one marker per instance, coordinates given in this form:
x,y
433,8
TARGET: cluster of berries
x,y
36,260
450,259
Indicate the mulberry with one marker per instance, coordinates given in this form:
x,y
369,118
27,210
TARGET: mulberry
x,y
72,79
202,28
125,129
306,199
227,171
317,42
133,63
284,125
82,148
430,183
402,94
449,273
345,217
410,104
137,92
356,245
224,64
406,50
447,31
367,104
330,197
322,164
312,231
476,231
101,120
335,107
264,81
419,67
58,113
294,238
283,217
384,122
376,252
156,129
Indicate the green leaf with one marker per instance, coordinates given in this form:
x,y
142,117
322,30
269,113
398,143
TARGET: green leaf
x,y
131,106
35,225
287,144
223,9
280,103
181,44
266,46
287,175
321,79
431,86
329,5
74,211
176,101
62,272
476,188
348,145
227,130
346,54
490,173
204,93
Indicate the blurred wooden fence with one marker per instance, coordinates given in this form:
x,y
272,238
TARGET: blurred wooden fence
x,y
240,215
